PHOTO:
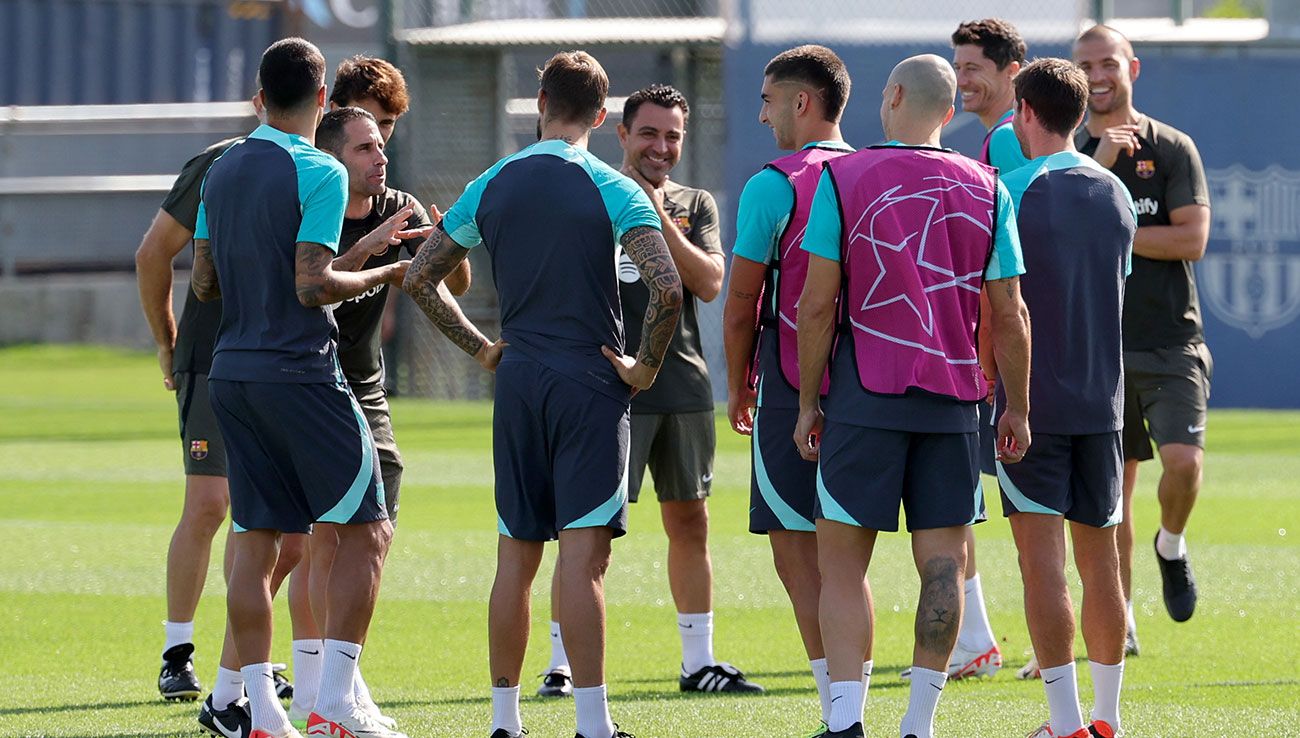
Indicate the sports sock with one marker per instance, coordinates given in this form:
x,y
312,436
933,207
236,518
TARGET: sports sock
x,y
361,692
228,688
696,630
559,659
976,634
1130,618
177,633
1106,682
822,678
267,713
337,677
505,710
1170,546
867,666
306,672
593,712
927,686
1062,688
846,705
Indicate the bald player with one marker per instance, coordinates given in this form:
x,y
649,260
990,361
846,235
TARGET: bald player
x,y
909,233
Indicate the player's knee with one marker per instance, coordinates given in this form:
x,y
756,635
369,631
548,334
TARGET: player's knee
x,y
1182,462
204,514
292,550
687,523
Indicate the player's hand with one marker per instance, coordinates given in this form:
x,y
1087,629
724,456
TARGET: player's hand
x,y
991,387
435,215
634,374
656,194
490,355
1013,437
740,410
1114,140
389,233
808,433
166,355
397,272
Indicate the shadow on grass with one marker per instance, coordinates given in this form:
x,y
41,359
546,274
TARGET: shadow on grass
x,y
53,709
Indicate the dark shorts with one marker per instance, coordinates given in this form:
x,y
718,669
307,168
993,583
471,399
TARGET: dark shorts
x,y
1078,477
560,451
783,486
201,443
298,454
1166,394
678,449
864,473
988,440
374,405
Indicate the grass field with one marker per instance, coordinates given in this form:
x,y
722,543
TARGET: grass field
x,y
90,482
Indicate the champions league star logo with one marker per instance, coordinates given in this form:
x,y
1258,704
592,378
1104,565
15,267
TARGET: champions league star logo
x,y
1251,275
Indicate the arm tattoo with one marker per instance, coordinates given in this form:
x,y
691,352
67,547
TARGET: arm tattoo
x,y
646,247
938,614
434,261
309,269
203,278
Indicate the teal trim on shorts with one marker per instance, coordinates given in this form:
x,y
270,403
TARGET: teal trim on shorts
x,y
236,526
501,527
831,509
790,520
1116,517
979,492
606,510
1023,504
347,507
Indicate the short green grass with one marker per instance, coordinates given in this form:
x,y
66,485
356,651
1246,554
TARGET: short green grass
x,y
90,483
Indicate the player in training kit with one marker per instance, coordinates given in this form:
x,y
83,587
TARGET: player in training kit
x,y
185,357
553,218
804,93
672,422
908,233
1167,366
1076,222
299,451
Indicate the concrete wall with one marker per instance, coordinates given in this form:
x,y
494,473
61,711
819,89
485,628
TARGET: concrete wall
x,y
99,308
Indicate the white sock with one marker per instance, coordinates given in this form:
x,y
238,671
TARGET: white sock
x,y
559,659
976,634
1106,683
846,705
177,633
267,713
822,678
505,710
1062,688
361,692
228,688
927,686
1129,618
1170,546
593,712
307,658
867,666
337,679
696,630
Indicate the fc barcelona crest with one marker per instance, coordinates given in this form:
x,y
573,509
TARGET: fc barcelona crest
x,y
683,224
1146,168
199,449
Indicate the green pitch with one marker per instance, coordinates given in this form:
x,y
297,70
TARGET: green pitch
x,y
90,489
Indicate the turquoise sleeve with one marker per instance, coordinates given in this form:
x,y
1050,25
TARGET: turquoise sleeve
x,y
325,187
201,222
629,207
1004,150
765,206
461,220
1007,260
824,233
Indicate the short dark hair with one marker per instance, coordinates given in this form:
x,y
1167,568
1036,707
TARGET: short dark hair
x,y
1103,32
575,85
665,96
291,72
819,68
998,39
331,134
360,77
1057,90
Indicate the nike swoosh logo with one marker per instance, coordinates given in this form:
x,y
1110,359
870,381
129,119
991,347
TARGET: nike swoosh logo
x,y
345,653
1053,681
1195,428
936,686
707,478
835,698
237,733
687,625
309,653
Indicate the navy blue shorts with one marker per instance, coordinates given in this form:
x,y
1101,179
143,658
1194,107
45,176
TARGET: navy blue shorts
x,y
783,486
560,450
296,454
988,440
1078,477
864,473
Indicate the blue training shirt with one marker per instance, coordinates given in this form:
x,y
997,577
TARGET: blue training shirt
x,y
265,195
551,217
1004,150
1077,222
